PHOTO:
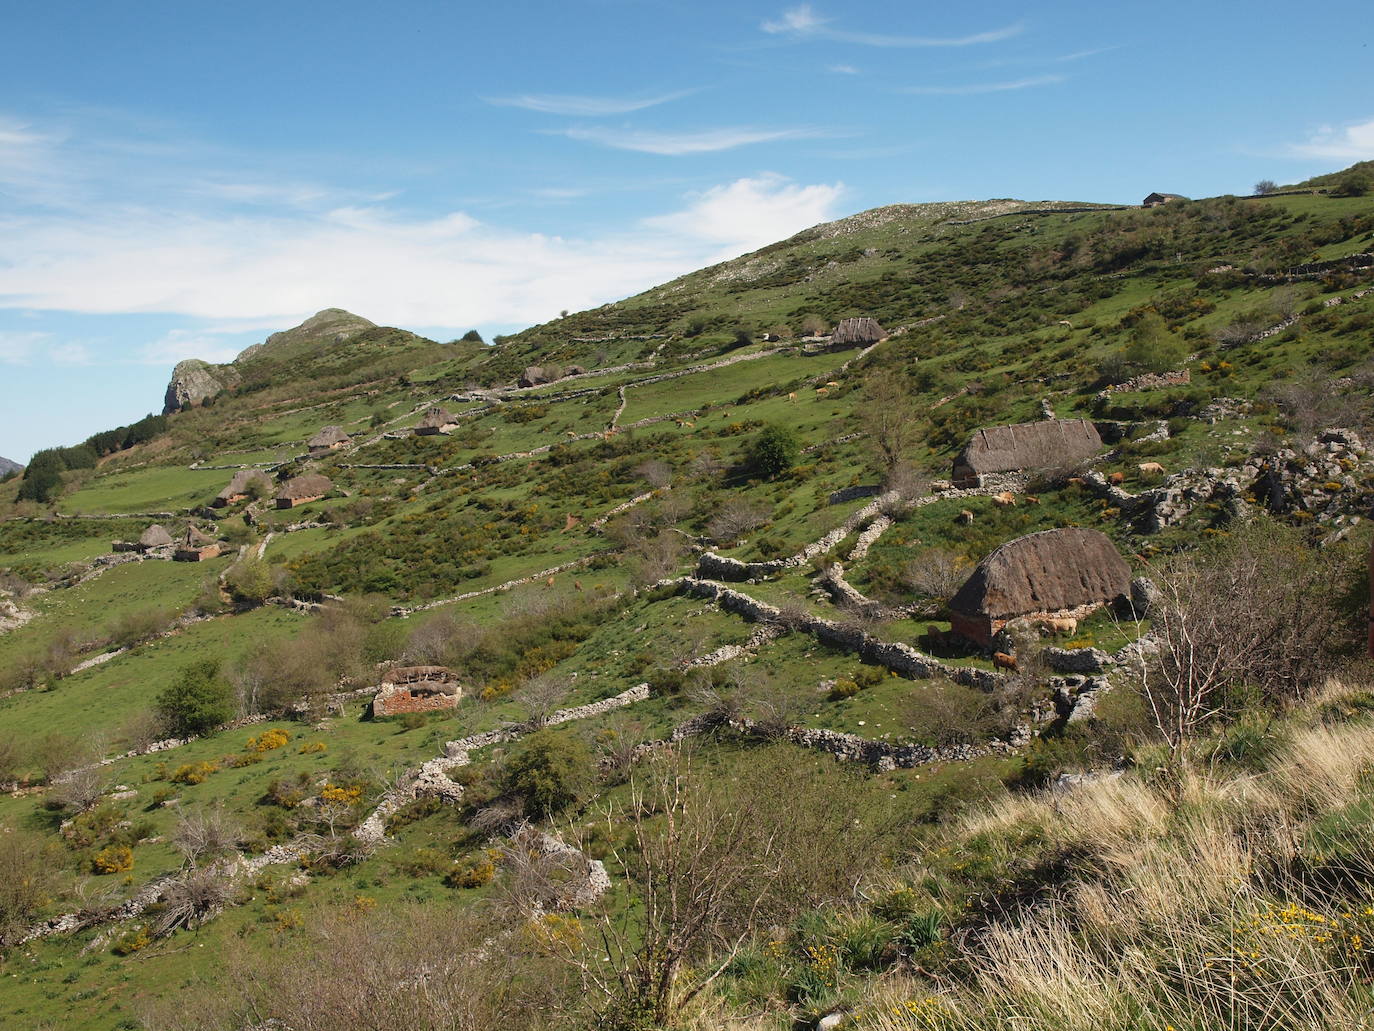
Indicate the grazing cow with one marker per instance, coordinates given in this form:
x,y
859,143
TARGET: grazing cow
x,y
569,433
822,392
1116,479
1004,500
577,585
1031,499
792,396
1065,625
965,517
570,521
832,383
1001,660
1150,469
1075,481
549,582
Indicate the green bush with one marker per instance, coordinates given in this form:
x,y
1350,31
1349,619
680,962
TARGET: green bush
x,y
550,770
197,702
774,451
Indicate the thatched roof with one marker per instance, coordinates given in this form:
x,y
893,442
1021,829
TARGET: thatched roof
x,y
156,536
436,418
311,485
242,480
438,679
194,538
857,331
1047,571
1028,445
328,437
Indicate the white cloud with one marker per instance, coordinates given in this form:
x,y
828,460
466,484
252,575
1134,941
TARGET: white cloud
x,y
271,270
748,213
1345,143
842,69
803,22
800,19
19,348
584,107
972,89
677,144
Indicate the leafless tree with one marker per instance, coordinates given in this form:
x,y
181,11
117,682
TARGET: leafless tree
x,y
890,417
736,518
936,573
541,696
203,833
655,472
198,895
79,789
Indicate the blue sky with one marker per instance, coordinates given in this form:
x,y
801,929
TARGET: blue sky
x,y
180,178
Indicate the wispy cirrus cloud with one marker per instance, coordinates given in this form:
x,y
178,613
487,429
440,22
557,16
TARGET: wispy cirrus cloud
x,y
842,69
975,88
803,23
678,144
585,107
1344,143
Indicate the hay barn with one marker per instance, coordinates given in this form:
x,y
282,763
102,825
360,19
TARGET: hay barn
x,y
328,439
302,489
416,689
195,546
436,420
1053,572
241,484
1047,444
857,333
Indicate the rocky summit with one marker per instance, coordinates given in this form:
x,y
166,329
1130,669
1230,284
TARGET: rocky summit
x,y
7,467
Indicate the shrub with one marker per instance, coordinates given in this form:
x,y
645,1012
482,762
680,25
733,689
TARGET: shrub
x,y
549,771
474,872
774,450
197,702
113,859
193,773
843,688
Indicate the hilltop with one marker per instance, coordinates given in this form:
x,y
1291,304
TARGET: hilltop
x,y
7,467
442,664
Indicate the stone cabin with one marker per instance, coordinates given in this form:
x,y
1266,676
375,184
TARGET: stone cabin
x,y
156,536
1048,444
416,689
302,489
1154,200
328,439
436,420
195,546
857,333
239,487
1065,572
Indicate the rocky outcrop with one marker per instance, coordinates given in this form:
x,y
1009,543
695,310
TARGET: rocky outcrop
x,y
193,381
7,467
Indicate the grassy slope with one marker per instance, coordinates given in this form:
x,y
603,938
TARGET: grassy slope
x,y
1002,287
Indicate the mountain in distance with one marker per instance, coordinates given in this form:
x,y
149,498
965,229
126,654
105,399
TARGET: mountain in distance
x,y
7,467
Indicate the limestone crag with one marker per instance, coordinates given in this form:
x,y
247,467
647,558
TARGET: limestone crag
x,y
193,381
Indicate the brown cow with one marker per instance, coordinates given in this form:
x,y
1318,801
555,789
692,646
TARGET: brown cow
x,y
1001,660
1004,500
1031,499
1150,469
1075,481
965,517
1116,479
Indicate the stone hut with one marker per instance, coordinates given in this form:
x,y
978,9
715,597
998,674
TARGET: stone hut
x,y
857,332
300,489
240,485
1065,572
156,536
1028,445
1154,200
328,439
195,546
416,689
436,420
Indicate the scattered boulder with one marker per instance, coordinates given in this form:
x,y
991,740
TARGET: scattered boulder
x,y
1077,660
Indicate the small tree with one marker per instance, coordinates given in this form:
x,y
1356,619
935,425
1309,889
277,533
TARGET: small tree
x,y
1265,186
1153,346
42,478
197,702
775,450
549,771
472,337
890,418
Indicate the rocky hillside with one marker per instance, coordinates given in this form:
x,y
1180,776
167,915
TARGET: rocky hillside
x,y
7,467
458,710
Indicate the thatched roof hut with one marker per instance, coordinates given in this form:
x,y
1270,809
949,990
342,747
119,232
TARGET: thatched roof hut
x,y
239,487
300,489
1053,571
194,546
1154,200
328,439
857,332
437,420
156,536
1028,445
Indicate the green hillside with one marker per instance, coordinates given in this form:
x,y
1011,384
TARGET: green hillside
x,y
207,827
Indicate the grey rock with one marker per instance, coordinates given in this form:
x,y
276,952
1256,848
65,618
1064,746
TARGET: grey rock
x,y
7,467
1144,596
1077,660
193,381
